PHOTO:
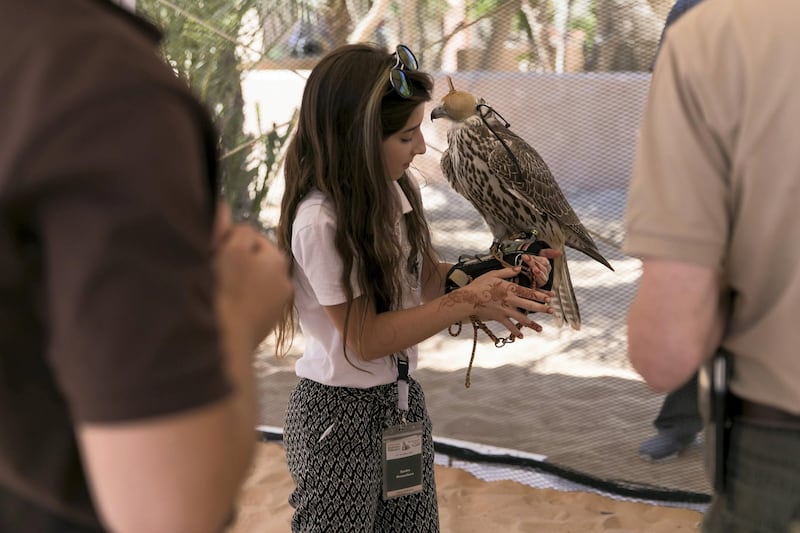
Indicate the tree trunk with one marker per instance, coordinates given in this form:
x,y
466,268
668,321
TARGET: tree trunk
x,y
628,32
337,20
544,61
502,26
367,25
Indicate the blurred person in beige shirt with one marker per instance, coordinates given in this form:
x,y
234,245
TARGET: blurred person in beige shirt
x,y
712,212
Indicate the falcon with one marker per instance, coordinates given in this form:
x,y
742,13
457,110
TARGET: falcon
x,y
512,188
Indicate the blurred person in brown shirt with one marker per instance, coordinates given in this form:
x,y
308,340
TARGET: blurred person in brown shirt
x,y
712,211
128,316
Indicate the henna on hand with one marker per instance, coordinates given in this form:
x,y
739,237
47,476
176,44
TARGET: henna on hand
x,y
529,294
495,292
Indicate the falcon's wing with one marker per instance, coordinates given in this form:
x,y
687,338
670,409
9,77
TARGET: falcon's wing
x,y
533,183
532,179
446,164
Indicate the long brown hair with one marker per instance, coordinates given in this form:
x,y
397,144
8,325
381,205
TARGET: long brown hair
x,y
348,109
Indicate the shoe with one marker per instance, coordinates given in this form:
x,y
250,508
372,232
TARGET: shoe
x,y
665,446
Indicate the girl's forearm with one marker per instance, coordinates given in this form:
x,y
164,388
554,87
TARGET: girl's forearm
x,y
433,278
393,331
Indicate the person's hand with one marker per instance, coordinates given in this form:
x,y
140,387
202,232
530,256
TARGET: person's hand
x,y
540,265
495,298
253,283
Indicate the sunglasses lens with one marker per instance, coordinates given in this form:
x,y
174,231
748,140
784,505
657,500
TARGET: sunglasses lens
x,y
406,57
399,83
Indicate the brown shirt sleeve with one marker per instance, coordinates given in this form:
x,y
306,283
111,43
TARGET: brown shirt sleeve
x,y
125,222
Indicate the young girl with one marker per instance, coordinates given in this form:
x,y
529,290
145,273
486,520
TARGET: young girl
x,y
368,288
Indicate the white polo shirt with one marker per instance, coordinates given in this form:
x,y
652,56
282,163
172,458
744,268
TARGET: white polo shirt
x,y
316,276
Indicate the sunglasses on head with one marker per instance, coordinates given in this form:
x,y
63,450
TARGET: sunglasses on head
x,y
397,78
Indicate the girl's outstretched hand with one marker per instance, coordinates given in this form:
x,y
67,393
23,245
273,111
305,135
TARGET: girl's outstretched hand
x,y
494,298
540,265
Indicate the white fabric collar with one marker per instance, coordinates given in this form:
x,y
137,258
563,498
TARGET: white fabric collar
x,y
405,205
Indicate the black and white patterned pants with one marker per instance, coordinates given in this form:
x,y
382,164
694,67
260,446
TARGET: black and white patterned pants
x,y
333,439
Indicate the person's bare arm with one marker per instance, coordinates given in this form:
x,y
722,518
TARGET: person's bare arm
x,y
181,473
433,277
176,473
490,297
674,322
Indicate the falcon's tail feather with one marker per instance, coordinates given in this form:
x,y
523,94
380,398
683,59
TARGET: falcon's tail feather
x,y
583,242
565,306
594,253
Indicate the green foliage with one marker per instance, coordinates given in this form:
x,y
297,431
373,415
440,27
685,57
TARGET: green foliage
x,y
479,8
203,40
273,142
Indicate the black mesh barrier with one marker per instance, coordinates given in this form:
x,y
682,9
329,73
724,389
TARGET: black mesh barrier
x,y
527,468
571,77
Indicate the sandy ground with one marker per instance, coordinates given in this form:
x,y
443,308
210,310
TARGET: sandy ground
x,y
469,505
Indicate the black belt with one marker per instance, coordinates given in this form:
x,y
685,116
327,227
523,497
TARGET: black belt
x,y
764,415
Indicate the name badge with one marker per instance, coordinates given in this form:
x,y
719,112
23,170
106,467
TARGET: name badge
x,y
402,460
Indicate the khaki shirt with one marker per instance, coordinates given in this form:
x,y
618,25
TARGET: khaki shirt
x,y
716,179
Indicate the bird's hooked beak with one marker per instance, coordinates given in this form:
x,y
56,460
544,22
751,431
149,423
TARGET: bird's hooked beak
x,y
455,105
438,112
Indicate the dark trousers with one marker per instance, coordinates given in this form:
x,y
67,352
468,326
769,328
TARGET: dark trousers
x,y
679,413
762,484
